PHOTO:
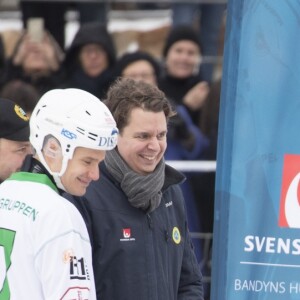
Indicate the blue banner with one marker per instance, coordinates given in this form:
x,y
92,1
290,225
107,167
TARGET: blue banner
x,y
256,242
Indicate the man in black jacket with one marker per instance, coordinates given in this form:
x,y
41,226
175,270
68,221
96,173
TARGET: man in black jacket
x,y
135,214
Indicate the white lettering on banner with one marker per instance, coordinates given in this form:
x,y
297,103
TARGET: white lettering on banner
x,y
260,286
268,244
268,287
294,287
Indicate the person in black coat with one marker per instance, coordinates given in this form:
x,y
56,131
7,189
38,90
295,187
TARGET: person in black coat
x,y
136,213
90,59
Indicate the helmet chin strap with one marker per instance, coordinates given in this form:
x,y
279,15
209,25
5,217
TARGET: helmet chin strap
x,y
56,175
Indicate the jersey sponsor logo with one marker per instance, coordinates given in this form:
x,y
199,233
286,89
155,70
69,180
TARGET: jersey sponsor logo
x,y
68,134
67,255
127,235
78,268
176,235
19,207
289,209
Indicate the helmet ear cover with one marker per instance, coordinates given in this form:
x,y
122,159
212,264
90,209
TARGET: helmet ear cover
x,y
52,147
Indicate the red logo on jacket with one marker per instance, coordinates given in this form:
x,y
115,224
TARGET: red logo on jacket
x,y
126,233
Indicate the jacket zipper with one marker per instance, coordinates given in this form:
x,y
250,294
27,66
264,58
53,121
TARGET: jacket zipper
x,y
149,221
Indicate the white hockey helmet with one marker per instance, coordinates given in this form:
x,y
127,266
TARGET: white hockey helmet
x,y
75,118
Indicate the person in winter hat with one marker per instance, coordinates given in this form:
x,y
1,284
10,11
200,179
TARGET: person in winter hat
x,y
180,33
90,59
180,80
138,65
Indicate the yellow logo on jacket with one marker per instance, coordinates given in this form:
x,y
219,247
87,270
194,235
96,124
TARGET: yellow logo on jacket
x,y
176,235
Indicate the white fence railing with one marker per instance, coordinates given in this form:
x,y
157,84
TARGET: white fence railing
x,y
193,165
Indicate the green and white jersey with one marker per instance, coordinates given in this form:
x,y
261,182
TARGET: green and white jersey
x,y
45,252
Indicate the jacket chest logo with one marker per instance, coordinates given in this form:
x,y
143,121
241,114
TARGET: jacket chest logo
x,y
176,235
127,235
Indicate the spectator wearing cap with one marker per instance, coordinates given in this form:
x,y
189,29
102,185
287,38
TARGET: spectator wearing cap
x,y
181,81
90,60
14,137
138,65
208,17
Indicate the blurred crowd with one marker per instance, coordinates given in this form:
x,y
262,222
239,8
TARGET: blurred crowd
x,y
185,71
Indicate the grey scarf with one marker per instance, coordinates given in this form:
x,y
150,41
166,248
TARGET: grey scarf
x,y
142,191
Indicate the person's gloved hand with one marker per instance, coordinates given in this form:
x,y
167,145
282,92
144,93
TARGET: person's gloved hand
x,y
178,129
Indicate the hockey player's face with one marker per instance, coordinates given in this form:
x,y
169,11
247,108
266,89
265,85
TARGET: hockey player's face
x,y
81,170
142,143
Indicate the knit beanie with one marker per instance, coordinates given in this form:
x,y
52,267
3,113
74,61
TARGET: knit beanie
x,y
129,58
179,33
